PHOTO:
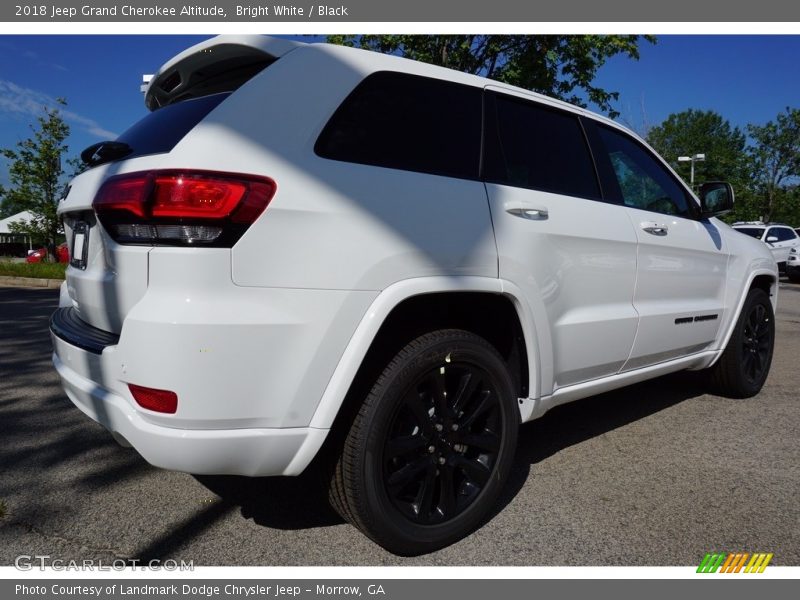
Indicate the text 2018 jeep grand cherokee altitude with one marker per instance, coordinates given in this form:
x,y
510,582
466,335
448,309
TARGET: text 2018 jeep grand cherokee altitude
x,y
304,243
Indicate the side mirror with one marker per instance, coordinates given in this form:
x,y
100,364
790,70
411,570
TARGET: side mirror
x,y
716,198
772,239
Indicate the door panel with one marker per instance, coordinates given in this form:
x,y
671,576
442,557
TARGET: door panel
x,y
785,242
572,255
681,261
580,263
680,287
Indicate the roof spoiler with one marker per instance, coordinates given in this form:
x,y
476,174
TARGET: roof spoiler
x,y
220,64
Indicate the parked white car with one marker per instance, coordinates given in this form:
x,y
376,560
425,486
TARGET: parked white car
x,y
312,246
778,237
793,265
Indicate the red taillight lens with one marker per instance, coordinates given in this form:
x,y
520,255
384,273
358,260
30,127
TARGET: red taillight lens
x,y
123,194
181,207
162,401
183,197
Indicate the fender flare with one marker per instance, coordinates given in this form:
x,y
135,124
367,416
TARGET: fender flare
x,y
380,309
725,338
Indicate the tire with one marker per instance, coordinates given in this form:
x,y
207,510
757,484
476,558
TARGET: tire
x,y
793,276
744,365
431,446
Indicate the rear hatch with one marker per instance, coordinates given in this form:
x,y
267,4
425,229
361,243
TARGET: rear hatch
x,y
105,279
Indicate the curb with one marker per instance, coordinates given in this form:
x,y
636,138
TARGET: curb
x,y
10,280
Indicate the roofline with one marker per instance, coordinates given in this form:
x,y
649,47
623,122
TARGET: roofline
x,y
278,47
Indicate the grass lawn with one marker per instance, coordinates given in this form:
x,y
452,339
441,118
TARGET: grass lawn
x,y
37,270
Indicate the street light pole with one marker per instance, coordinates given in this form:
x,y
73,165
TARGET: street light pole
x,y
693,159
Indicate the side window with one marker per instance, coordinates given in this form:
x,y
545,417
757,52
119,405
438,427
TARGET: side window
x,y
532,146
783,234
407,122
643,182
754,232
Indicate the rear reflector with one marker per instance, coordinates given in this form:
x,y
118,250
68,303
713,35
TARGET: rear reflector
x,y
162,401
185,207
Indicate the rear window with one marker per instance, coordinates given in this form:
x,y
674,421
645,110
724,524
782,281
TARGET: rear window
x,y
162,129
755,232
407,122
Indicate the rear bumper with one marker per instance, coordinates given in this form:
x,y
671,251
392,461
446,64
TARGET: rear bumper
x,y
249,451
248,365
65,324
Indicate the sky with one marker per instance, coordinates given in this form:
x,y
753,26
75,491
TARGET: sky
x,y
747,79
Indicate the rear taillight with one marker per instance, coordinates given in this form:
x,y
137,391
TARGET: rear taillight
x,y
162,401
183,208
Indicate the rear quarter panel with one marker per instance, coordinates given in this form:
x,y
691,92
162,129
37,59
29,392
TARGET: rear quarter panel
x,y
332,224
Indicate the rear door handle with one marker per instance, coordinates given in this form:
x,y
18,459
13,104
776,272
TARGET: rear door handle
x,y
527,211
655,228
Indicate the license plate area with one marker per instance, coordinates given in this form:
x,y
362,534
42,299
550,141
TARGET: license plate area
x,y
80,245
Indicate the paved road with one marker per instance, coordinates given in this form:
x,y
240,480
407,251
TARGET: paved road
x,y
657,474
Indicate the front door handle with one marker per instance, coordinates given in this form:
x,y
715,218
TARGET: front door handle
x,y
655,228
527,211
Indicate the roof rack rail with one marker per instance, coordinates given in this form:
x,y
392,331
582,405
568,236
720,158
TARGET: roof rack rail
x,y
762,223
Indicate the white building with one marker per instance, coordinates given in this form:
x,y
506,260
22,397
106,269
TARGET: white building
x,y
7,236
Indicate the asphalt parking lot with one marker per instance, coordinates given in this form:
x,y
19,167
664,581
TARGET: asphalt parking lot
x,y
656,474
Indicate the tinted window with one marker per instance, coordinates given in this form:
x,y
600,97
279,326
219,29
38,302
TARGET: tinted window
x,y
535,147
784,234
643,182
162,129
407,122
755,232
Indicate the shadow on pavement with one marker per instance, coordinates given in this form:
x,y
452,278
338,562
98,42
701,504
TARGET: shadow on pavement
x,y
44,435
576,422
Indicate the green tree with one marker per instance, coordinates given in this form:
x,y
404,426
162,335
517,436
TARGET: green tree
x,y
562,66
775,155
36,176
5,210
703,132
789,211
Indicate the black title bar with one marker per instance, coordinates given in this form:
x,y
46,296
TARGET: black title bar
x,y
440,11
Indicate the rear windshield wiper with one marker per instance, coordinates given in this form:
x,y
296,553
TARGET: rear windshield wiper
x,y
103,152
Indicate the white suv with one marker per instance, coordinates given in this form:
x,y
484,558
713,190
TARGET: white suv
x,y
778,237
316,251
793,265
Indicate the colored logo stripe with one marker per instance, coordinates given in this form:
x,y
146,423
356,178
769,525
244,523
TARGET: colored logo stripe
x,y
734,562
727,566
758,563
711,562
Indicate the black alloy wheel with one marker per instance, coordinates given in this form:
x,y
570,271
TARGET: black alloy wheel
x,y
443,443
744,365
757,341
431,446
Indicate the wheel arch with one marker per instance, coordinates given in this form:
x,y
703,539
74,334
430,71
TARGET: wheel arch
x,y
762,278
412,307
